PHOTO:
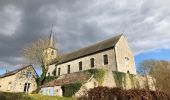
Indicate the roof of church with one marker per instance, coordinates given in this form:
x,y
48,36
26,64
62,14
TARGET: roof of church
x,y
15,71
98,47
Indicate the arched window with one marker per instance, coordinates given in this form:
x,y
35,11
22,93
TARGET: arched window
x,y
80,66
59,71
52,53
48,73
105,58
68,69
9,86
55,71
92,62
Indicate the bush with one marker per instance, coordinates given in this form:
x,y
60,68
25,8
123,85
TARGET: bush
x,y
70,89
105,93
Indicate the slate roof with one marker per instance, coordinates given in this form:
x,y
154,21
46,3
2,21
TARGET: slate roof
x,y
15,71
77,77
98,47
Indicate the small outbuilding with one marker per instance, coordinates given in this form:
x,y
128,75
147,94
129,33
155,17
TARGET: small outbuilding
x,y
75,84
19,80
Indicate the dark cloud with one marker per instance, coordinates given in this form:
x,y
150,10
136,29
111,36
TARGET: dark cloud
x,y
78,23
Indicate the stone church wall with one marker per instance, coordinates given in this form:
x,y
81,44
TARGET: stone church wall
x,y
98,59
124,57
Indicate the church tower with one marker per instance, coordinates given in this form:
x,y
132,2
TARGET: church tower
x,y
50,53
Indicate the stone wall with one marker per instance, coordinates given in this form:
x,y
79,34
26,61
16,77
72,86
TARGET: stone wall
x,y
124,57
127,81
16,82
91,83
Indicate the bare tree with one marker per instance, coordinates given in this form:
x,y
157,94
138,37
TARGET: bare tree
x,y
160,71
33,53
145,69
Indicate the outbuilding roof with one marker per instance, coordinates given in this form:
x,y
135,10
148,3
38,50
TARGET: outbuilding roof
x,y
77,77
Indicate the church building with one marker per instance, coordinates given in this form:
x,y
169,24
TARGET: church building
x,y
112,54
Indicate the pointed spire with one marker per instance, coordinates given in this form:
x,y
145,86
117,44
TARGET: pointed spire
x,y
51,39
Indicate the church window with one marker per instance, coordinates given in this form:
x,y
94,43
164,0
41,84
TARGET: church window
x,y
127,61
54,72
48,73
52,53
92,62
105,57
9,86
59,71
80,65
68,69
127,58
29,74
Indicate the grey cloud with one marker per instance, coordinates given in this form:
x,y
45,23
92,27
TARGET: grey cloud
x,y
80,23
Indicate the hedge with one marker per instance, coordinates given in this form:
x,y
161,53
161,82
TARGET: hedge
x,y
105,93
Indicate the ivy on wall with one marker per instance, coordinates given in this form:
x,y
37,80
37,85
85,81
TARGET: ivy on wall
x,y
70,89
134,81
47,79
50,78
98,75
121,79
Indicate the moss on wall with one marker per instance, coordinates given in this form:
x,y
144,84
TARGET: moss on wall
x,y
121,79
98,75
134,81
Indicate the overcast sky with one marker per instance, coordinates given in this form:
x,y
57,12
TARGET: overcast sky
x,y
78,23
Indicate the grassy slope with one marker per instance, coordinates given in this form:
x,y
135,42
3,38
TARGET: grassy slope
x,y
22,96
40,97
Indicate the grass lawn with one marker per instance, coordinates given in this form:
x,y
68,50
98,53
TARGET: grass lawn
x,y
41,97
22,96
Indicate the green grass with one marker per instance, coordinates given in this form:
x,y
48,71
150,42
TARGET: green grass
x,y
41,97
22,96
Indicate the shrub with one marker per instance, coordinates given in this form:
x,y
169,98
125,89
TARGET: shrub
x,y
105,93
70,89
